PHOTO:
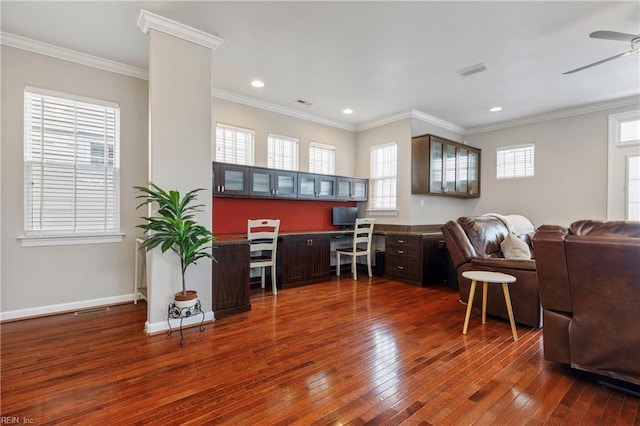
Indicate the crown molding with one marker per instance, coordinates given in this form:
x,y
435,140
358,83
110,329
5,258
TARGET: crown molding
x,y
46,49
423,116
150,21
413,114
279,109
555,115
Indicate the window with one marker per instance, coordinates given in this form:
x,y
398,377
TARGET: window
x,y
383,177
283,152
515,161
623,166
234,145
628,131
71,165
322,158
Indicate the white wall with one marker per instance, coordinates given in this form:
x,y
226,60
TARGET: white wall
x,y
570,181
265,122
35,278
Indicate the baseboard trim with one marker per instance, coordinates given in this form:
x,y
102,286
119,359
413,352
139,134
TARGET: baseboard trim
x,y
163,326
62,308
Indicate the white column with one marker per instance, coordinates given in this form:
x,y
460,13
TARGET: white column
x,y
179,148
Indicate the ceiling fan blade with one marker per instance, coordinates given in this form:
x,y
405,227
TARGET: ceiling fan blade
x,y
613,35
600,62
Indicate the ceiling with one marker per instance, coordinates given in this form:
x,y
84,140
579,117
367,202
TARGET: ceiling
x,y
378,58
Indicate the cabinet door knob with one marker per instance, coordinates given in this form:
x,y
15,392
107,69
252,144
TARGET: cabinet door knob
x,y
400,251
400,267
400,241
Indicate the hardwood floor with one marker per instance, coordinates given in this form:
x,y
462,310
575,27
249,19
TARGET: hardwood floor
x,y
340,352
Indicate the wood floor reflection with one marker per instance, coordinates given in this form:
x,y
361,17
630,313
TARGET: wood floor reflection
x,y
340,352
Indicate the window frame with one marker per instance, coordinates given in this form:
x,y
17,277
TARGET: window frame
x,y
514,150
34,159
373,180
330,151
271,156
250,148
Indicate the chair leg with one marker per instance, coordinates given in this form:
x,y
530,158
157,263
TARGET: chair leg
x,y
274,286
262,276
337,263
354,268
369,264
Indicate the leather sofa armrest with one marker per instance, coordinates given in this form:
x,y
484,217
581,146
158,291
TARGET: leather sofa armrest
x,y
553,277
501,263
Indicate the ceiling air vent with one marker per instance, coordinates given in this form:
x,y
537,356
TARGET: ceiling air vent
x,y
473,69
303,102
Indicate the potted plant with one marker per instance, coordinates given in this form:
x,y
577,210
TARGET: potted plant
x,y
174,228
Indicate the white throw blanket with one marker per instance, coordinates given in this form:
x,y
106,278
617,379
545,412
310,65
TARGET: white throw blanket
x,y
515,223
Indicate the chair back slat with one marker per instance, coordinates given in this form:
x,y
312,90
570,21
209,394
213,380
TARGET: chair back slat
x,y
362,232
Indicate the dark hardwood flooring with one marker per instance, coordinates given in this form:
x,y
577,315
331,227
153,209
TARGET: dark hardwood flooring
x,y
339,352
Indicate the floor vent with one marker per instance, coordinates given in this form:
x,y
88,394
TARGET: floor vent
x,y
473,69
91,311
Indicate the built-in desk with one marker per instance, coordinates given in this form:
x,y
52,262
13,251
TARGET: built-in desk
x,y
413,255
230,275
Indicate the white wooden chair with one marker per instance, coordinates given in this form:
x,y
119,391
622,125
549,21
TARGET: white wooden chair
x,y
362,232
263,239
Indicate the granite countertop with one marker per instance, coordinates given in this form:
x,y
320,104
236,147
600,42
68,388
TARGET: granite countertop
x,y
417,230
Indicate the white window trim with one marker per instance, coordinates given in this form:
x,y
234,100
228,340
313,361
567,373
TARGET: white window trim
x,y
615,120
237,129
613,148
384,211
513,147
66,238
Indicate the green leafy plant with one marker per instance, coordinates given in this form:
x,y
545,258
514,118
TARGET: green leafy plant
x,y
174,228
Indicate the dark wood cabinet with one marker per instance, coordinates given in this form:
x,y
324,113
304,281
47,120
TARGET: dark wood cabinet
x,y
316,186
303,258
351,189
233,180
272,183
230,279
443,167
415,259
230,179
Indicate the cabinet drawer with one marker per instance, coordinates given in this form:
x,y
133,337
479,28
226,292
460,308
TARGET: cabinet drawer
x,y
406,241
406,269
403,252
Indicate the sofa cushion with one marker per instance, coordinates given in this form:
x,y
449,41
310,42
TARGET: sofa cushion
x,y
485,234
514,248
614,228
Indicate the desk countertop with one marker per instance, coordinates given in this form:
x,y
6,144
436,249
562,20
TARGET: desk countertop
x,y
232,239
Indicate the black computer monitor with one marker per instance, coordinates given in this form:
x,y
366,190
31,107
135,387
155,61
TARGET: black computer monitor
x,y
344,216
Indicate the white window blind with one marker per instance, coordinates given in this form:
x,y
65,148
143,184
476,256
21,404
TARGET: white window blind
x,y
71,165
384,171
515,161
282,152
322,158
629,132
234,144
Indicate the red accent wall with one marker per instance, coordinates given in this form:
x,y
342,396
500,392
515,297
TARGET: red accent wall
x,y
230,215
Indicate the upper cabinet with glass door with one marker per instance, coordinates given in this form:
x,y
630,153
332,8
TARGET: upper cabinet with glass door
x,y
443,167
230,179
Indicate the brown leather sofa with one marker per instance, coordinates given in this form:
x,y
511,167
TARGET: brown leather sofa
x,y
474,244
589,278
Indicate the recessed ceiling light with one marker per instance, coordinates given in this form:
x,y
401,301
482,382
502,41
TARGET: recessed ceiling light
x,y
496,109
347,111
257,83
